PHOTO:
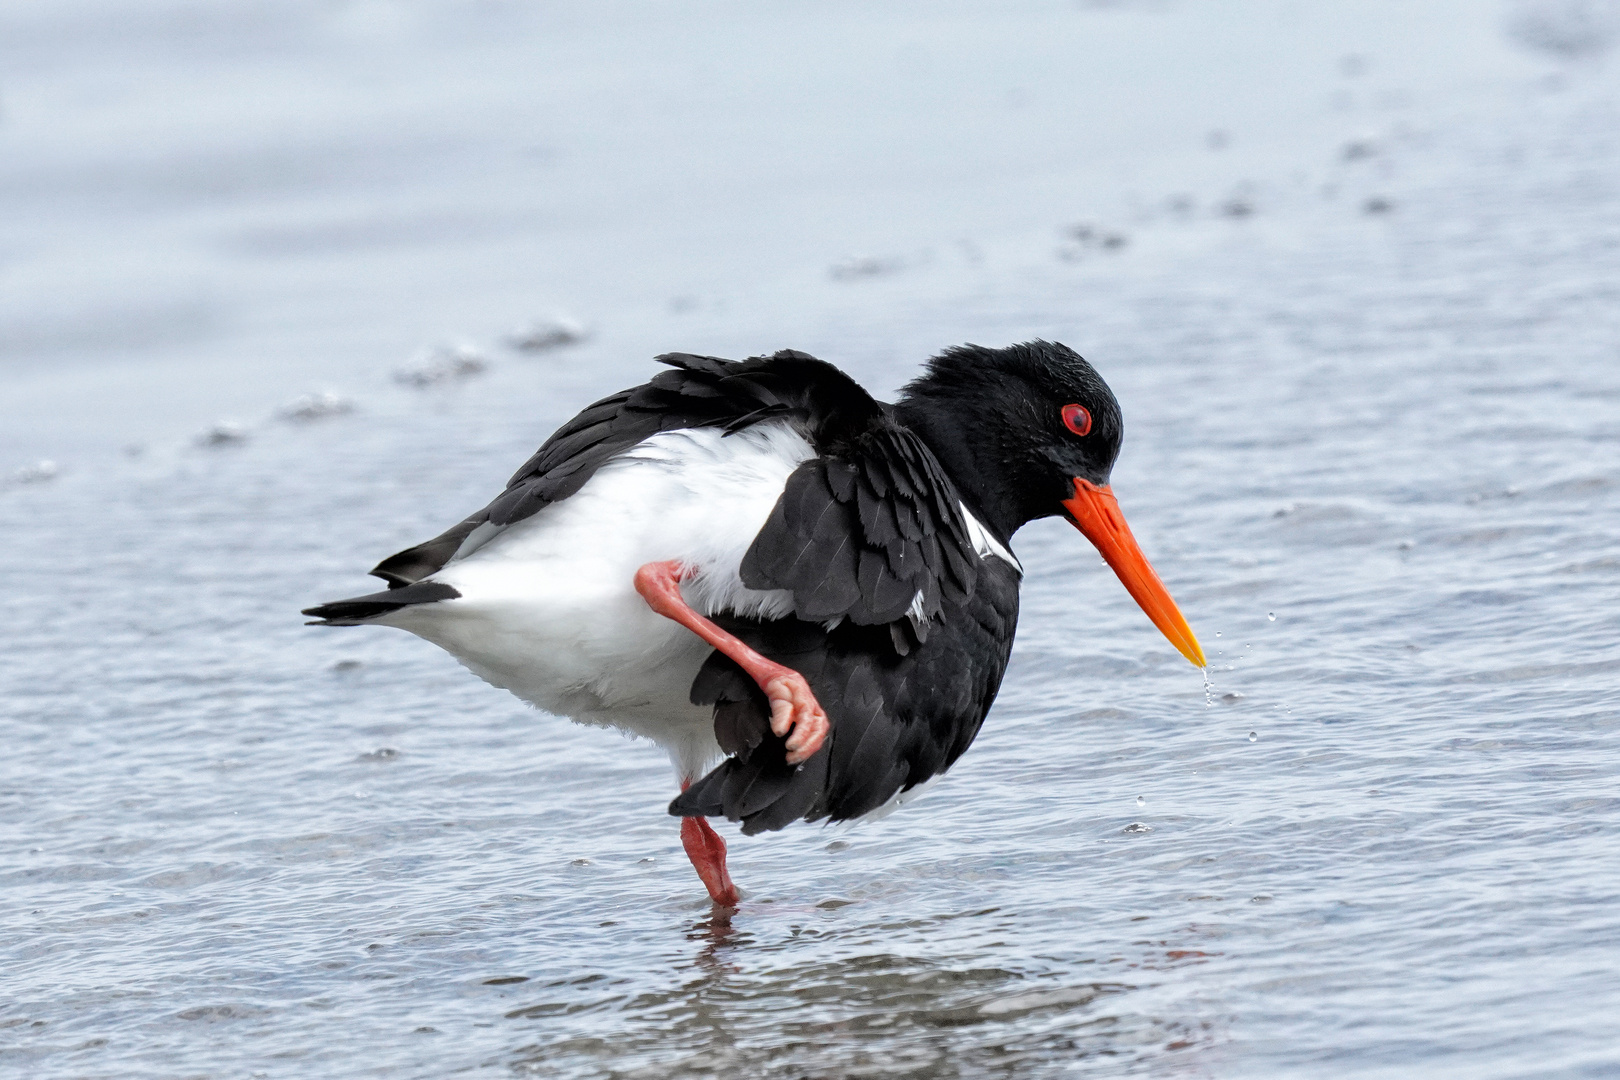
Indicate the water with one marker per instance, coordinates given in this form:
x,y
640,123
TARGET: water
x,y
1376,456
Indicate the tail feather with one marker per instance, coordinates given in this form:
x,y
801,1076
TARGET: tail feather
x,y
764,792
361,609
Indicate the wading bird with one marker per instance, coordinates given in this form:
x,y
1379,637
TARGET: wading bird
x,y
757,560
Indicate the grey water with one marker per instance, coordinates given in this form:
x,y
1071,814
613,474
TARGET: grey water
x,y
1354,274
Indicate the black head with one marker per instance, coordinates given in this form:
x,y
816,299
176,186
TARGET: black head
x,y
1031,431
999,420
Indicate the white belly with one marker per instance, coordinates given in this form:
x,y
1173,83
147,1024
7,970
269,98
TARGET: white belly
x,y
548,608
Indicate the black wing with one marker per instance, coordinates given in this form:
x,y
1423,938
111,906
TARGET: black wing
x,y
872,532
901,629
700,391
896,720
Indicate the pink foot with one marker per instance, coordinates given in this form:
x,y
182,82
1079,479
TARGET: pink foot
x,y
795,708
707,851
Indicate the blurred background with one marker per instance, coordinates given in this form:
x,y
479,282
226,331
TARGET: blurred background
x,y
285,287
210,207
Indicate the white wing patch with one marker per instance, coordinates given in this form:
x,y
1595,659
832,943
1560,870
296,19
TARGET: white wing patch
x,y
986,544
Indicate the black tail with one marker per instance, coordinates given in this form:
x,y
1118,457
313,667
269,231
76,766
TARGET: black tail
x,y
762,791
758,788
359,609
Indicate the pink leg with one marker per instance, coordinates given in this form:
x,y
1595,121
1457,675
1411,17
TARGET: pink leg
x,y
793,707
707,851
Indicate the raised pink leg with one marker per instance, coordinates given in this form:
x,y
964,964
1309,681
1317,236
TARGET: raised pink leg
x,y
793,707
707,850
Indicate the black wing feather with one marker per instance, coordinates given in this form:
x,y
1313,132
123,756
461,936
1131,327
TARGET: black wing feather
x,y
859,533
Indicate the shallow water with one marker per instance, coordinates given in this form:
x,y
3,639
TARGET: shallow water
x,y
1374,453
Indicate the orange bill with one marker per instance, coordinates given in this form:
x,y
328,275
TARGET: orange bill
x,y
1095,512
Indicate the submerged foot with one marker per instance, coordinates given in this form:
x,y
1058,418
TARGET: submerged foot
x,y
707,851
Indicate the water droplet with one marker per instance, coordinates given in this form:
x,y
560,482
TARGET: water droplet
x,y
1254,736
1271,616
1209,693
1217,633
1141,800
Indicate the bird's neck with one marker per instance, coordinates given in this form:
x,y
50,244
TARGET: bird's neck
x,y
984,472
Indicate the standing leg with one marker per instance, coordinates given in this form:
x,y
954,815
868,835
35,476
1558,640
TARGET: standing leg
x,y
707,851
793,707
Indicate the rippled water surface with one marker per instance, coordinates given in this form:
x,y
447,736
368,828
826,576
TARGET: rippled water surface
x,y
1363,321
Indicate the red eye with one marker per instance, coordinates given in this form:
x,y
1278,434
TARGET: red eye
x,y
1077,419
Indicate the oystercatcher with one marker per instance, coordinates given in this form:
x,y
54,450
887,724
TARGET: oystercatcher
x,y
757,560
